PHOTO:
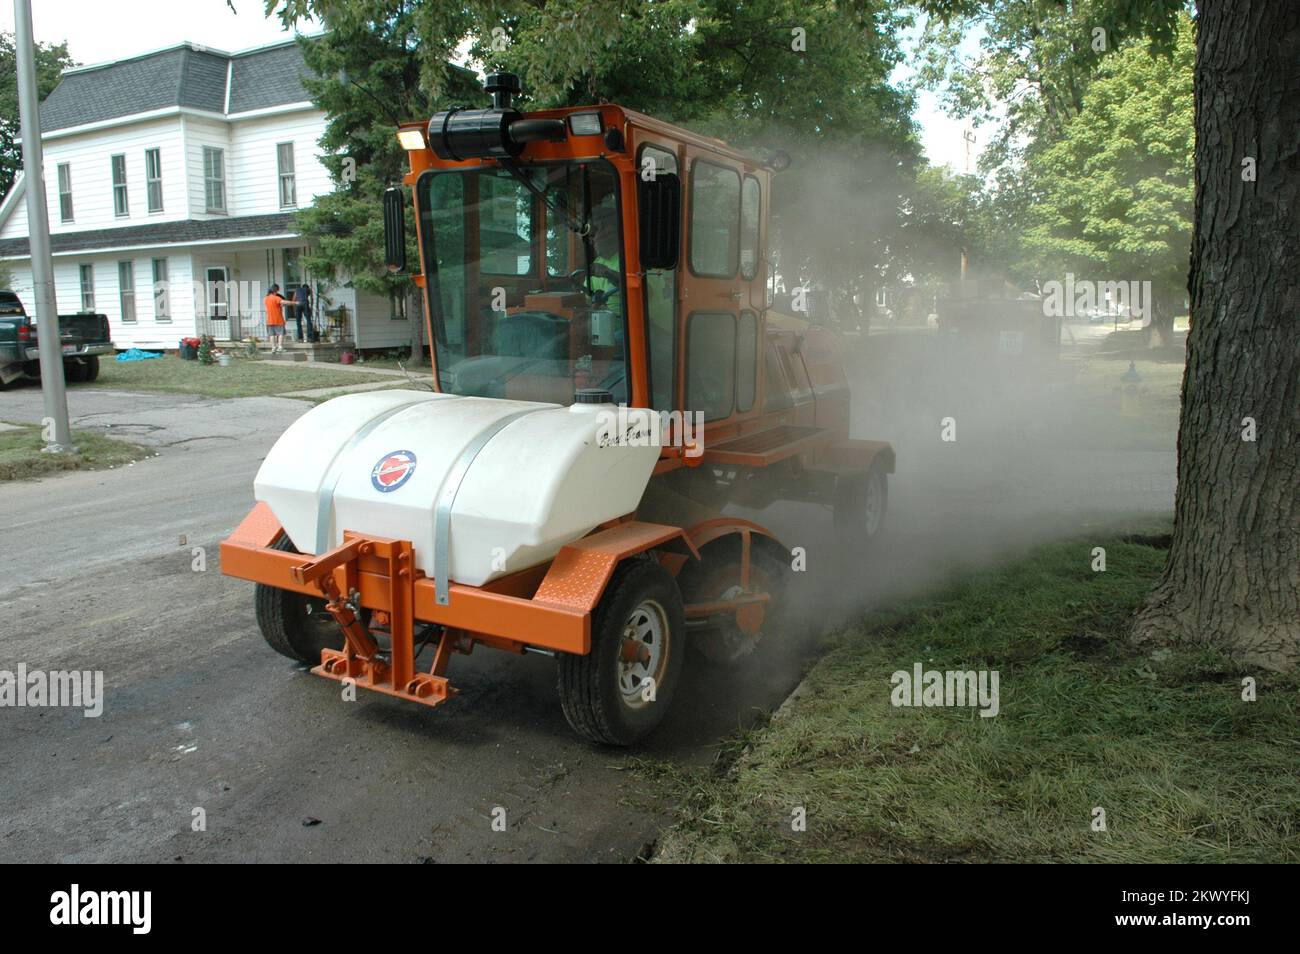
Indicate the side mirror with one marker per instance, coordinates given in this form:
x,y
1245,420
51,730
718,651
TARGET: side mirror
x,y
394,230
659,201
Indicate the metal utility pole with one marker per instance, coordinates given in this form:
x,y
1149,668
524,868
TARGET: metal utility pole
x,y
968,135
38,224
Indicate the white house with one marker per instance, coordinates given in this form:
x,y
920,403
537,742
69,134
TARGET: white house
x,y
172,179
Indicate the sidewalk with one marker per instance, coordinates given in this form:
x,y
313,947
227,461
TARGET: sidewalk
x,y
416,379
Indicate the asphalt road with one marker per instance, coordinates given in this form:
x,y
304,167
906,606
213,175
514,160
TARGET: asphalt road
x,y
96,573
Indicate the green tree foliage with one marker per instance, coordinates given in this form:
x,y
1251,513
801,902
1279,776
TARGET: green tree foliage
x,y
1114,191
765,74
1036,60
1090,164
51,60
941,216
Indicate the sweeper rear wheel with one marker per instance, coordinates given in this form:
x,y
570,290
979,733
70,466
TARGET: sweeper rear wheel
x,y
293,624
860,504
621,690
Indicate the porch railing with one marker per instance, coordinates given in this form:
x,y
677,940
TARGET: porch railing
x,y
334,324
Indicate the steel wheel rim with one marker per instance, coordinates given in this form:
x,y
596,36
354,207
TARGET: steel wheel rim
x,y
873,505
647,627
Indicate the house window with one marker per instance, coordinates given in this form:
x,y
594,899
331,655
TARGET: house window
x,y
292,269
126,289
153,179
288,188
162,305
120,206
87,287
214,178
882,298
396,306
65,192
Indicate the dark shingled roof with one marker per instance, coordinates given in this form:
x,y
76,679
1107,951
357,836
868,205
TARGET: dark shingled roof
x,y
161,233
268,77
187,75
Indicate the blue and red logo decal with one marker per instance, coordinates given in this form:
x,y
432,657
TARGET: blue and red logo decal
x,y
393,470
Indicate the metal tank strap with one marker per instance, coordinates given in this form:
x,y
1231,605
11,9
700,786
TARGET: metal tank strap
x,y
325,496
450,487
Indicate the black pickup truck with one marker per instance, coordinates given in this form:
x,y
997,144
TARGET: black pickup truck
x,y
82,338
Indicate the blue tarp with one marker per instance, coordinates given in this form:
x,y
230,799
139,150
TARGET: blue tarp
x,y
135,354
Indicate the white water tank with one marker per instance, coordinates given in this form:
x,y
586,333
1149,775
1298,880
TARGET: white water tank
x,y
517,480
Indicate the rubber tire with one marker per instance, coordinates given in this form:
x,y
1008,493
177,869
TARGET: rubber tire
x,y
92,368
74,371
588,684
850,510
281,615
775,564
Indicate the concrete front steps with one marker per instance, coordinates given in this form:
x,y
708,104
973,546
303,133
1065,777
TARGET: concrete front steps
x,y
327,351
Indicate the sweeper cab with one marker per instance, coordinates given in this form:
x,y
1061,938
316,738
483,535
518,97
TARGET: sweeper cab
x,y
609,378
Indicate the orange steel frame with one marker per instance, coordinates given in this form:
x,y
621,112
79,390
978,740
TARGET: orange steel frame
x,y
547,606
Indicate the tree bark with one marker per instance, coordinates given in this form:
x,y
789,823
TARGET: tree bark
x,y
1232,579
1164,308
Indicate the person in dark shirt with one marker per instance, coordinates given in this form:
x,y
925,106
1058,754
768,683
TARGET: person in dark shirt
x,y
302,310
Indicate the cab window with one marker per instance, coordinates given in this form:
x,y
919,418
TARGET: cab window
x,y
505,226
749,224
715,220
711,364
746,361
660,299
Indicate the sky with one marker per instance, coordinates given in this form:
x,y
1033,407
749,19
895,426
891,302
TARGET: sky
x,y
98,31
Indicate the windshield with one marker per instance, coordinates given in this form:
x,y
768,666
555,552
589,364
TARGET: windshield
x,y
525,280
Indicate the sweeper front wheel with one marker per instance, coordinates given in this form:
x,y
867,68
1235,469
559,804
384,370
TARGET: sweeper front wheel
x,y
293,624
621,690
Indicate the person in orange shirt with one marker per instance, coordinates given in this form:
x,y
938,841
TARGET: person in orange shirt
x,y
274,303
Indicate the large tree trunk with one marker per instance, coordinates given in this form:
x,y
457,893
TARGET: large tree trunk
x,y
1233,575
1164,307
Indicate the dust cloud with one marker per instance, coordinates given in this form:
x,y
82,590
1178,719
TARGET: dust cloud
x,y
996,453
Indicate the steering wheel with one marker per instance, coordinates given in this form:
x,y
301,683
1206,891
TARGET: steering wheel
x,y
579,275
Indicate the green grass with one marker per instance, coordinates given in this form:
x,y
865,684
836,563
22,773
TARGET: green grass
x,y
1094,411
243,378
21,454
1184,768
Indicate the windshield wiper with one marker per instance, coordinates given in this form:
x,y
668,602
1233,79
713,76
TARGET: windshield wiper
x,y
573,225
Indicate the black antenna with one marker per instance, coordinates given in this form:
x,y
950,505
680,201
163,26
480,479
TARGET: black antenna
x,y
346,80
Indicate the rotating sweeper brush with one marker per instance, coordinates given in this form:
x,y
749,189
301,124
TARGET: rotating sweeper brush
x,y
609,378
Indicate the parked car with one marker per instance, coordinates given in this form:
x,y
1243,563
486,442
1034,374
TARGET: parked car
x,y
83,338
